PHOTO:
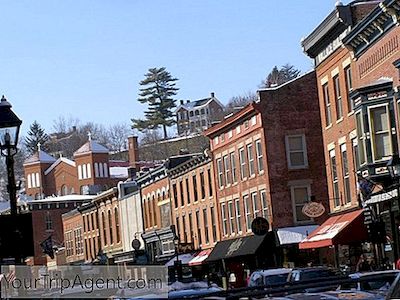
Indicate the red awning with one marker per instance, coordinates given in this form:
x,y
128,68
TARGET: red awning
x,y
341,229
200,257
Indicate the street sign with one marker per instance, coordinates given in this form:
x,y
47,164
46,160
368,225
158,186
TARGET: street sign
x,y
260,226
136,244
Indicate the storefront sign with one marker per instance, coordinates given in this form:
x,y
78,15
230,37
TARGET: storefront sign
x,y
234,247
382,197
260,226
313,209
185,247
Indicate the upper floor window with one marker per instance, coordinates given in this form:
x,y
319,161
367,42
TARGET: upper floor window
x,y
264,203
361,157
238,129
227,170
345,173
48,221
296,151
327,101
250,156
380,132
247,211
238,216
210,181
338,97
191,113
203,111
220,173
194,179
253,120
260,164
233,166
231,215
196,112
300,196
349,87
242,160
335,180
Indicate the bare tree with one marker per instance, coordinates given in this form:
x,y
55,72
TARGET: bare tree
x,y
150,136
117,136
240,101
65,124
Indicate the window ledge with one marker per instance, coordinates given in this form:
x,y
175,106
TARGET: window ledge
x,y
261,172
252,176
329,126
339,120
350,113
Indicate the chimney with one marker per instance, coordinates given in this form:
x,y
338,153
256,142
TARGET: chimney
x,y
187,101
74,128
182,102
212,95
133,151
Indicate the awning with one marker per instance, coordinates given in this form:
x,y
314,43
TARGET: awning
x,y
236,247
184,259
341,229
294,235
200,257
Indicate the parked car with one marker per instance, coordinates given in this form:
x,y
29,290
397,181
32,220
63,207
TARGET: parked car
x,y
312,273
269,277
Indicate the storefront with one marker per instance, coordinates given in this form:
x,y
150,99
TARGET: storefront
x,y
340,240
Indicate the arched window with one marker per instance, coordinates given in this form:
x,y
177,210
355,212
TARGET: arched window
x,y
105,170
89,171
72,191
103,218
92,217
154,211
96,170
84,174
29,181
117,224
64,190
110,227
101,174
196,113
79,172
48,221
37,180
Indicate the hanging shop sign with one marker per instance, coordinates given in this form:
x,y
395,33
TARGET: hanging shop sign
x,y
313,209
260,226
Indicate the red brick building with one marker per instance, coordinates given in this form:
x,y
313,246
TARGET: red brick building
x,y
73,237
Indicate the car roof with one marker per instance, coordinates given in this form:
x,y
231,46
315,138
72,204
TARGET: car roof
x,y
268,272
374,273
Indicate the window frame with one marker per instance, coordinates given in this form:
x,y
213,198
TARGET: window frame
x,y
247,212
220,173
334,178
295,205
233,167
338,97
242,162
231,216
227,169
259,156
304,151
250,159
224,219
327,104
238,216
345,173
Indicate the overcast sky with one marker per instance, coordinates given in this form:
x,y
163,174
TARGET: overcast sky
x,y
86,58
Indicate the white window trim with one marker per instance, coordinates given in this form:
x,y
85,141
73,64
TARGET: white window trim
x,y
238,216
227,170
343,149
363,137
305,165
259,156
224,220
372,134
242,163
247,212
254,199
220,173
250,159
292,188
332,154
231,217
263,207
233,167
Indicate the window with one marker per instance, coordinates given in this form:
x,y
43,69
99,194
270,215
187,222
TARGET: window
x,y
247,211
178,228
149,205
259,154
224,220
154,201
64,190
256,207
205,220
103,217
194,179
196,112
184,226
84,223
110,227
222,138
191,113
220,173
116,217
338,97
198,227
101,171
300,196
96,170
214,224
230,134
349,87
202,111
354,144
335,181
89,171
227,170
191,227
238,216
181,192
79,172
242,161
68,243
78,241
346,174
253,120
233,166
84,173
231,215
167,247
202,187
203,122
250,156
92,220
48,221
296,151
37,180
210,189
360,139
105,170
187,190
380,132
175,194
29,181
238,129
216,140
246,124
328,113
264,203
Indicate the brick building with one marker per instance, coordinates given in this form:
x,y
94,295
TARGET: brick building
x,y
90,172
47,221
196,116
267,160
73,237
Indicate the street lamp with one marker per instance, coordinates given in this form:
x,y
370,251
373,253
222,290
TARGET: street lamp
x,y
178,266
9,132
393,166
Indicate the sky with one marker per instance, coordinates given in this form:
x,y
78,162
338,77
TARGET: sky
x,y
85,59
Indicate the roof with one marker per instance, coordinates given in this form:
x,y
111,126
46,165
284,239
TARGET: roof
x,y
119,172
247,110
198,103
57,162
91,147
62,198
274,88
294,235
39,157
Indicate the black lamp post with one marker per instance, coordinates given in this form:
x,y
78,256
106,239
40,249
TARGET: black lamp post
x,y
393,166
178,266
9,132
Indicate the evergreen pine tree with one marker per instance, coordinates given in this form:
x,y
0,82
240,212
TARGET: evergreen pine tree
x,y
157,91
35,136
279,76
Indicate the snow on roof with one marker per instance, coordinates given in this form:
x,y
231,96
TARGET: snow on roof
x,y
58,161
274,88
119,172
63,198
91,147
39,156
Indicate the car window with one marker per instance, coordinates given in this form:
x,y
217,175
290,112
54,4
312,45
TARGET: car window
x,y
375,285
275,279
